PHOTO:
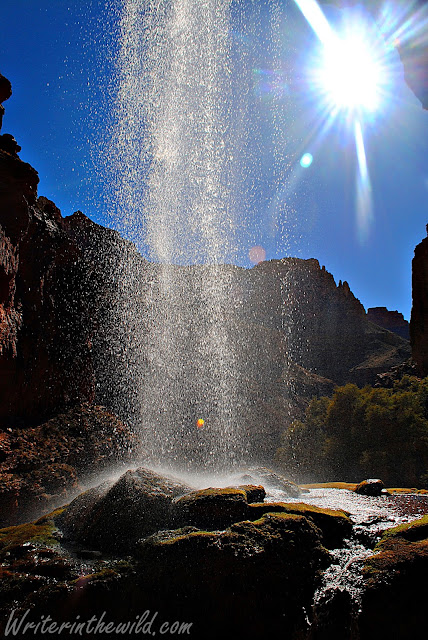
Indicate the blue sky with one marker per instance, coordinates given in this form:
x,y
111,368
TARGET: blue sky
x,y
60,57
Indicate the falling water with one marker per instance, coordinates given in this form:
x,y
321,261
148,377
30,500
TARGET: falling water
x,y
185,171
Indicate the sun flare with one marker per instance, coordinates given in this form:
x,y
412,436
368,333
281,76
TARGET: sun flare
x,y
350,74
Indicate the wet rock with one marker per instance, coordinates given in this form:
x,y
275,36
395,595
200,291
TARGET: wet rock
x,y
254,578
212,508
370,487
251,579
334,617
396,590
335,525
271,480
412,531
113,517
254,493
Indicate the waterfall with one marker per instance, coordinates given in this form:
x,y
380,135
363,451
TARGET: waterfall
x,y
184,181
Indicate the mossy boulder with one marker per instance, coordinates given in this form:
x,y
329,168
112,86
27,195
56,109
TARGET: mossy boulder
x,y
411,531
212,508
253,579
269,479
396,588
371,487
113,517
335,525
254,493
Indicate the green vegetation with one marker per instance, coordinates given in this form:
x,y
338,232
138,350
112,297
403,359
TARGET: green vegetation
x,y
360,433
41,532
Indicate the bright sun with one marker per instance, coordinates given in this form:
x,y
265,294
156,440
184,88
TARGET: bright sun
x,y
350,74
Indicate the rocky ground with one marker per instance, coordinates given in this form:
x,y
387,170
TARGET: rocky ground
x,y
148,549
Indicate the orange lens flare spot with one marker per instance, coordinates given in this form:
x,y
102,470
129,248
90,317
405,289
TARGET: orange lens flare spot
x,y
200,423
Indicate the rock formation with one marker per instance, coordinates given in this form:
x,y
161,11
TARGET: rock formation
x,y
418,324
142,542
391,320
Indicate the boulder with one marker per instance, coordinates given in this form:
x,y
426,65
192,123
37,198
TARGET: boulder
x,y
114,516
252,579
270,479
334,525
212,508
396,591
255,578
370,487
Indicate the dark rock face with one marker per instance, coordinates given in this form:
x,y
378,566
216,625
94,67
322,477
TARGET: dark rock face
x,y
46,330
391,320
418,324
42,466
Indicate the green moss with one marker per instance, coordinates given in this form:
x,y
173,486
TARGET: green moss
x,y
103,575
300,508
39,532
309,510
404,490
397,555
334,524
412,531
213,493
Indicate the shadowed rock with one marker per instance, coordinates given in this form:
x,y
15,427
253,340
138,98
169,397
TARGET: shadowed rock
x,y
113,517
370,487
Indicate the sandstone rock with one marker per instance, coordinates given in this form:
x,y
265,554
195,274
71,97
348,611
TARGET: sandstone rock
x,y
370,487
391,320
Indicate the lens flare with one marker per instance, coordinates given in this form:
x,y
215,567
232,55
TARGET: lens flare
x,y
306,160
257,254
